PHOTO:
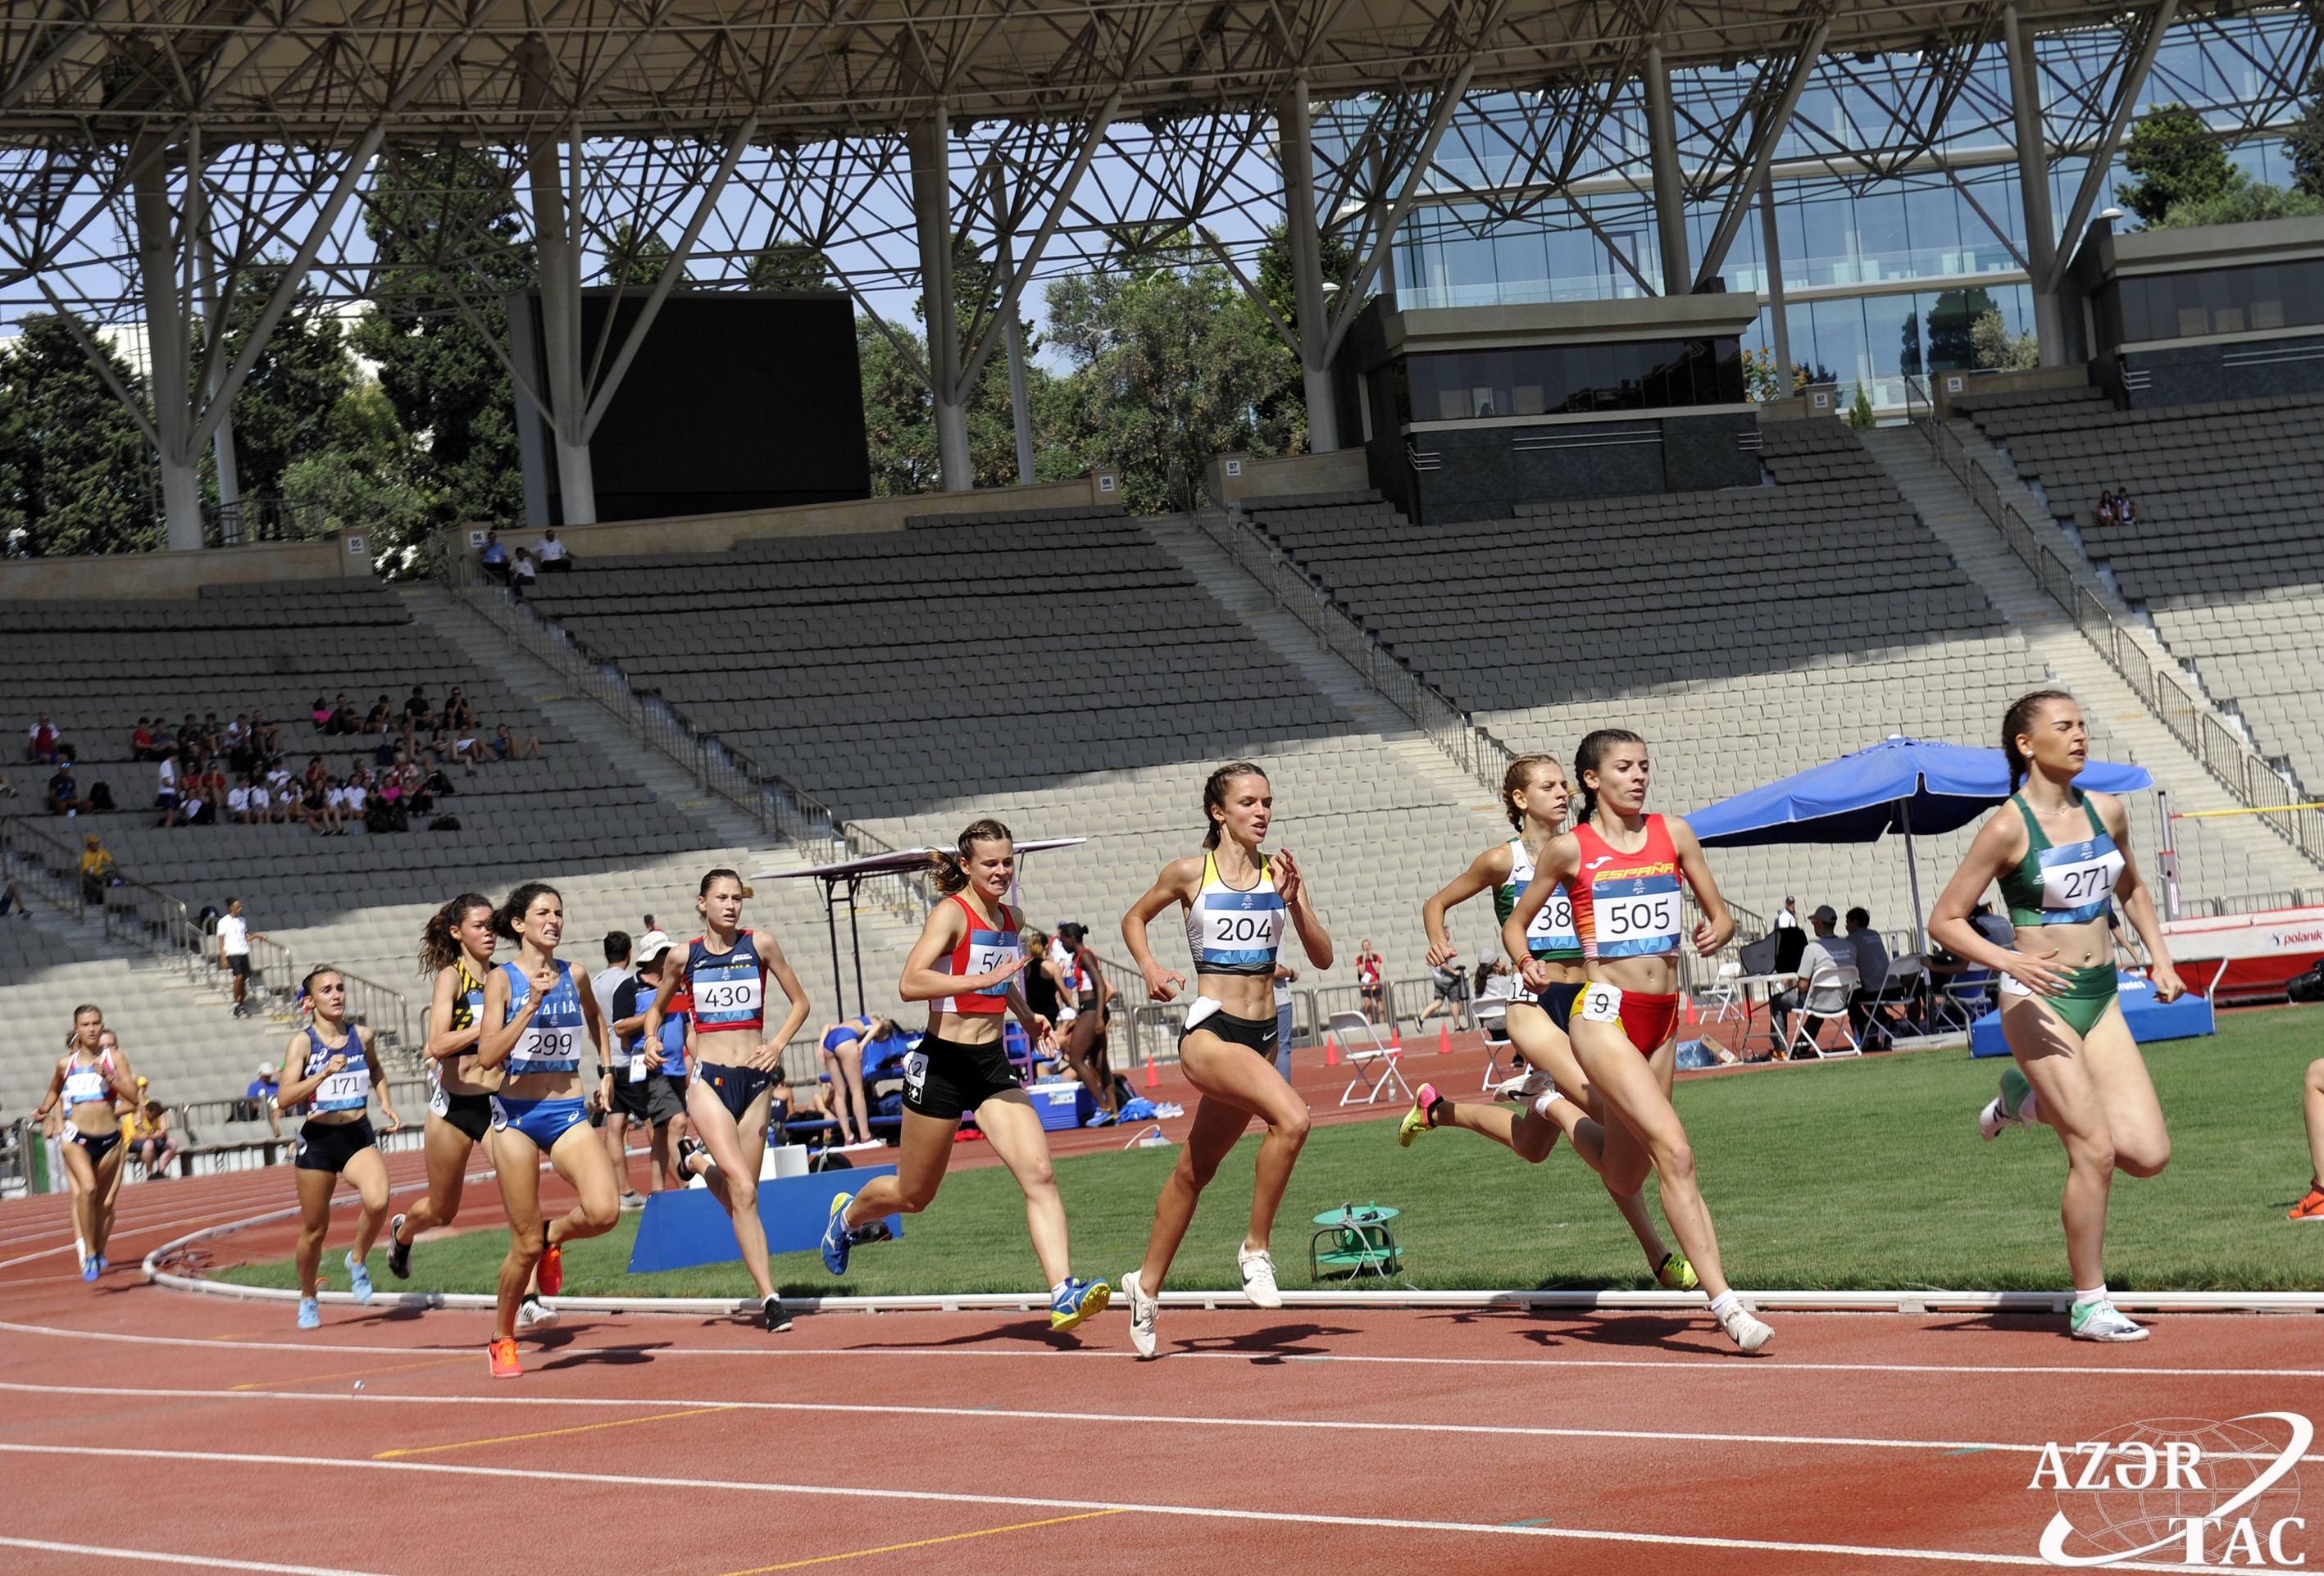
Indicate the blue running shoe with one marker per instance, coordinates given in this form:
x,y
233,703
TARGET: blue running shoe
x,y
359,1275
836,1240
310,1314
88,1269
103,1264
1103,1118
1076,1300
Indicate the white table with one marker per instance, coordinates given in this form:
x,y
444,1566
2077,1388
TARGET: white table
x,y
1768,985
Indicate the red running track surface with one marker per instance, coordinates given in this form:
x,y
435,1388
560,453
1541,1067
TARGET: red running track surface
x,y
148,1423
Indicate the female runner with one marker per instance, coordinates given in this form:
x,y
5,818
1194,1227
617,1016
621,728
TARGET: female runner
x,y
81,1091
737,1064
2062,857
964,966
1622,868
534,1014
1084,1034
1236,899
331,1064
842,1055
1534,792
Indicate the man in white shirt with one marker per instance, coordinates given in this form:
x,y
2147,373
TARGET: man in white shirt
x,y
233,953
1825,950
552,554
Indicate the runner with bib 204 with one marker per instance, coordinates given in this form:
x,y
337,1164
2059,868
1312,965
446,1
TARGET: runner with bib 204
x,y
1624,869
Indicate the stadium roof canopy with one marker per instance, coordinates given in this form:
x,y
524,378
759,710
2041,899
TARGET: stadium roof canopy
x,y
325,73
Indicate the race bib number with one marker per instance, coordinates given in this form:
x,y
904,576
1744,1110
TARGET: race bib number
x,y
1555,920
2079,879
1253,929
537,1044
984,957
737,997
1600,1004
83,1085
438,1102
916,1072
638,1068
345,1090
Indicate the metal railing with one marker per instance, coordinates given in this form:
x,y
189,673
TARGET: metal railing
x,y
2180,705
1469,747
775,802
261,520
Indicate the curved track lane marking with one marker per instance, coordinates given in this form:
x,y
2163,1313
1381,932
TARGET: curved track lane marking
x,y
157,1558
1709,1361
626,1483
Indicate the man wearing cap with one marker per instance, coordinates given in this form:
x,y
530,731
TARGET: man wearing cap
x,y
262,1093
1824,950
648,1095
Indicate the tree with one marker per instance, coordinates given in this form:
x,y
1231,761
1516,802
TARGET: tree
x,y
284,408
789,265
1859,410
2305,141
2176,159
2244,204
1171,366
1952,328
1287,407
900,427
1999,349
74,469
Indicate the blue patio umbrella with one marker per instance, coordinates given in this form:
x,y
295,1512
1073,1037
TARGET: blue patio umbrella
x,y
1899,785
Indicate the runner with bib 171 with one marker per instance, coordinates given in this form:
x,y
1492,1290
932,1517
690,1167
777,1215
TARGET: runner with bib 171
x,y
1624,869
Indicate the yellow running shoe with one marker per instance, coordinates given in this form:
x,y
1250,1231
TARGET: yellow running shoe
x,y
1676,1275
1416,1120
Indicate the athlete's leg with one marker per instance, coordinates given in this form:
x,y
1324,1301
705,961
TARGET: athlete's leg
x,y
2311,1110
1014,1127
847,1094
1079,1036
1218,1124
1635,1092
516,1161
736,1146
2051,1056
315,1190
1233,1076
107,1193
80,1177
924,1150
580,1158
367,1170
446,1149
2142,1141
617,1146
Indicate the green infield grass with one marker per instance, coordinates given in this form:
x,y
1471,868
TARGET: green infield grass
x,y
1855,1174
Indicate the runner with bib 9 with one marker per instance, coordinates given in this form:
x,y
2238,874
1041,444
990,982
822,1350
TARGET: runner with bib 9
x,y
1625,869
1238,901
1534,792
964,966
2062,858
732,1095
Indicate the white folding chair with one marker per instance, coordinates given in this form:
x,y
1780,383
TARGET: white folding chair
x,y
1724,999
1492,1014
1373,1060
1908,976
1962,1001
1824,998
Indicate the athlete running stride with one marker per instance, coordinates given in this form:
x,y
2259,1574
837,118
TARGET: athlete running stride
x,y
535,1015
1623,869
737,1062
81,1091
332,1065
1534,794
964,966
2061,857
1237,902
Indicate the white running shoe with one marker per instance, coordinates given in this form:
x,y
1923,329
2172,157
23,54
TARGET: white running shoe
x,y
534,1314
2103,1322
1746,1329
1142,1309
1992,1119
1258,1278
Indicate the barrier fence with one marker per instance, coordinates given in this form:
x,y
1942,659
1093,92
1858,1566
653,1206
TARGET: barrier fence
x,y
213,1136
2177,703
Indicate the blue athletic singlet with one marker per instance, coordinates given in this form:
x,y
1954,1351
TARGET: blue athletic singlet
x,y
729,991
1232,932
552,1042
349,1088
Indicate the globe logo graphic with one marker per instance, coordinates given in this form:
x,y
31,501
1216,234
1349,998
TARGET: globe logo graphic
x,y
2155,1476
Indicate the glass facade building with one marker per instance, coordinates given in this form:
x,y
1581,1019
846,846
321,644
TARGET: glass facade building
x,y
1896,209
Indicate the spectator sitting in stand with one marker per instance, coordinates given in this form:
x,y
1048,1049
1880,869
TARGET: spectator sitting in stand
x,y
213,733
417,715
495,557
97,871
265,737
157,1144
553,555
143,743
2105,513
320,713
433,786
375,721
506,746
2126,511
521,573
64,790
261,1092
214,787
165,790
1869,953
40,741
1826,950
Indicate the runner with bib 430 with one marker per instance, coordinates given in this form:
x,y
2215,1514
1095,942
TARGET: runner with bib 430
x,y
1626,870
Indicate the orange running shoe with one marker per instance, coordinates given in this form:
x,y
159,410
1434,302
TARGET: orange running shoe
x,y
503,1356
552,1270
2311,1208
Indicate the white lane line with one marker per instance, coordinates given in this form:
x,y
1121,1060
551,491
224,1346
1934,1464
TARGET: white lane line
x,y
207,1560
1107,1418
626,1484
122,1229
1710,1362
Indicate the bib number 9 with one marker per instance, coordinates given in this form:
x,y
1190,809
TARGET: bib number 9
x,y
1602,1004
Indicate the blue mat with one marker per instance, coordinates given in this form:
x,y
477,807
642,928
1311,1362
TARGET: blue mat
x,y
686,1228
2148,1018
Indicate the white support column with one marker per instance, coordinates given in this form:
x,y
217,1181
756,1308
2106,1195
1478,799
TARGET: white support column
x,y
2033,186
167,351
1669,180
1020,408
214,305
930,149
1294,135
556,244
1772,255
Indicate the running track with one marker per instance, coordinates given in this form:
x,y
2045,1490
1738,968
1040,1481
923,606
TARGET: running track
x,y
149,1427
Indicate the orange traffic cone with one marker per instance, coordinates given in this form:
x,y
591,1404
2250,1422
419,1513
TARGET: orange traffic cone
x,y
1396,1037
1331,1052
1688,996
1444,1039
1153,1074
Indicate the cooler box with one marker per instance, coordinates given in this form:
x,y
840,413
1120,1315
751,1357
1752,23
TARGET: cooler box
x,y
2148,1018
1063,1104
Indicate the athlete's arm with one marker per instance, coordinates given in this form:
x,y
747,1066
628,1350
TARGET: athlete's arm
x,y
1560,862
124,1081
365,1038
443,1042
1717,926
2138,903
2000,843
55,1098
1487,871
1292,887
922,980
659,1007
1043,1033
770,953
295,1085
493,1046
1179,882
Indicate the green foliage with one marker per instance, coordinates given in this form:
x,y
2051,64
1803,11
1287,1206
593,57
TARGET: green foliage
x,y
1998,348
1761,383
2245,203
74,469
1859,410
2305,141
1275,277
2176,159
637,257
789,265
1952,328
1171,366
284,408
899,418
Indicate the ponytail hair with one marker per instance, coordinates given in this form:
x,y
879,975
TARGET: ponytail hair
x,y
505,917
951,868
1594,746
439,941
2019,719
1519,778
1215,796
